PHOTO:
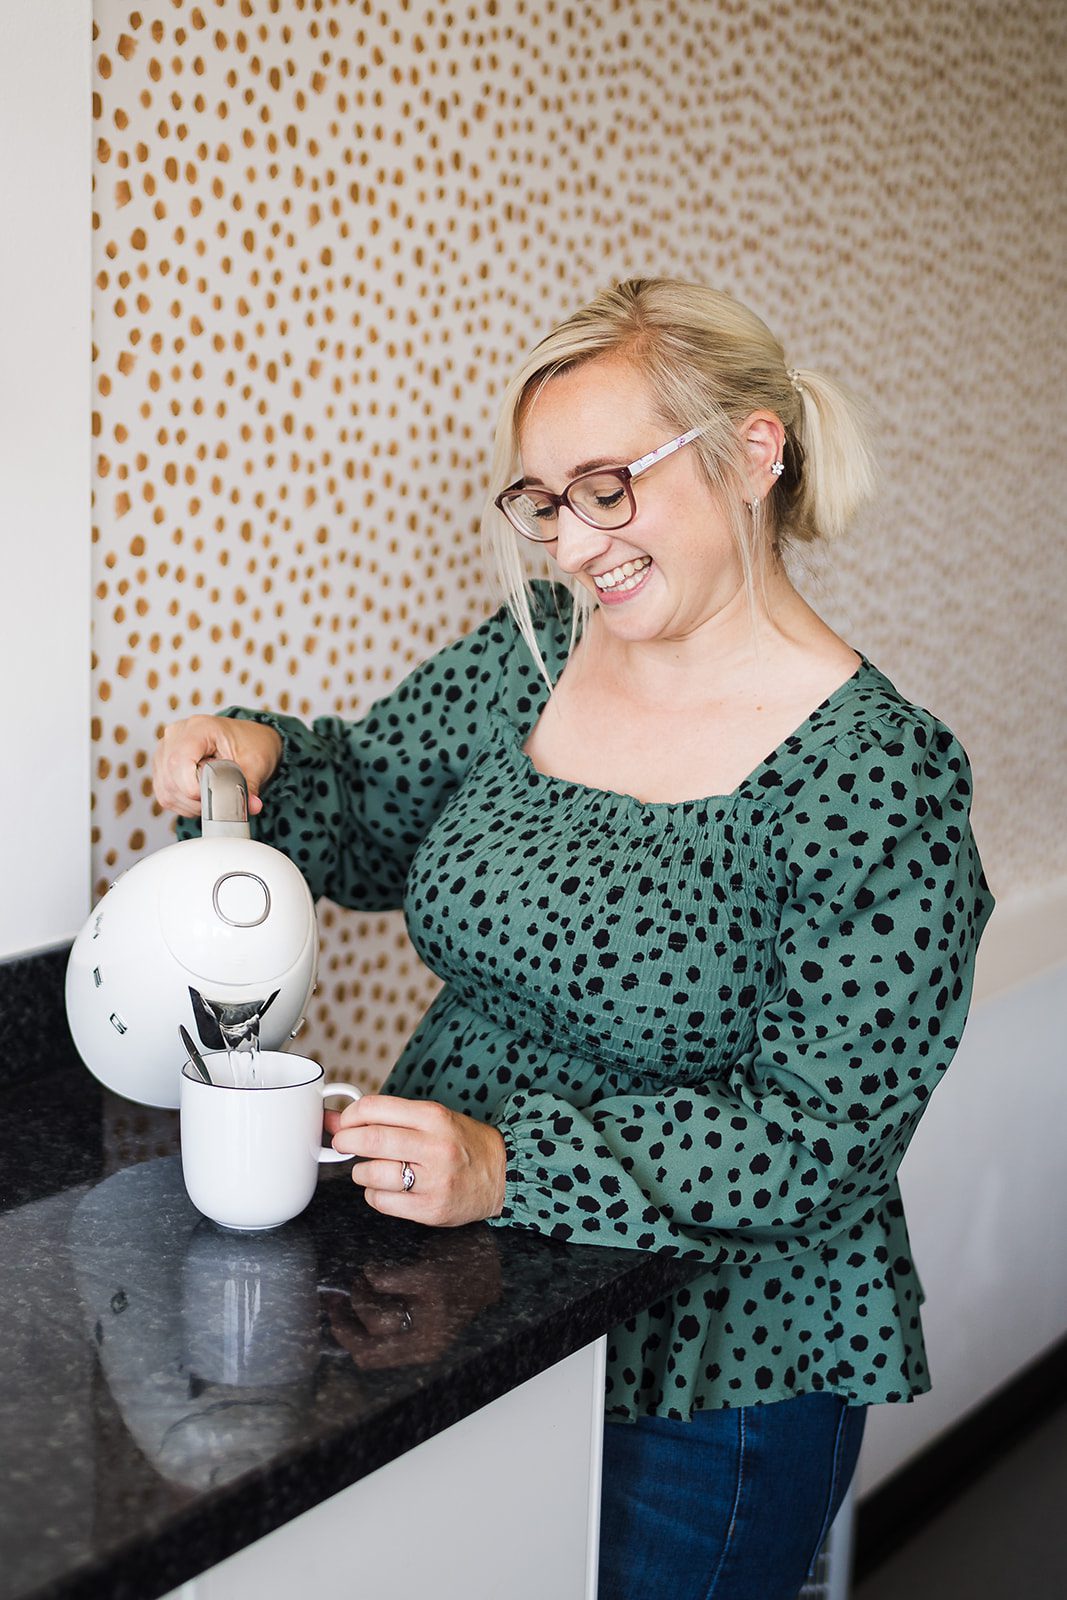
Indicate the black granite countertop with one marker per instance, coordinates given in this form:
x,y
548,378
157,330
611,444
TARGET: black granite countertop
x,y
150,1424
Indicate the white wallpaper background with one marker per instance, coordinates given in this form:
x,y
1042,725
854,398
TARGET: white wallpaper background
x,y
323,231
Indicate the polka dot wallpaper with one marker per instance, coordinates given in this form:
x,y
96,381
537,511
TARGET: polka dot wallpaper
x,y
324,230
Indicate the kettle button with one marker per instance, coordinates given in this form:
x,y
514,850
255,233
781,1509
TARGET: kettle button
x,y
241,899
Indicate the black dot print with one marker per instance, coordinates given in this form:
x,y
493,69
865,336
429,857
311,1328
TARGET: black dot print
x,y
706,1028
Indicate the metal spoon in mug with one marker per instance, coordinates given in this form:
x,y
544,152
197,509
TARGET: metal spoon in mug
x,y
194,1054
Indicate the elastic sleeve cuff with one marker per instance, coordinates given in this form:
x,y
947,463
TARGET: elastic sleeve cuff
x,y
538,1190
283,786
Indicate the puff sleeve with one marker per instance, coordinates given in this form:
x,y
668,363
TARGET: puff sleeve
x,y
350,802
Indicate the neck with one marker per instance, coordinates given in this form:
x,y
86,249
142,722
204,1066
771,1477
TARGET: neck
x,y
721,655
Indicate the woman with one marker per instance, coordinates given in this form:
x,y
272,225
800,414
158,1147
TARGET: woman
x,y
705,912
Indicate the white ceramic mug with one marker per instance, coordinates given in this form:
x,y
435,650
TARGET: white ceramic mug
x,y
251,1151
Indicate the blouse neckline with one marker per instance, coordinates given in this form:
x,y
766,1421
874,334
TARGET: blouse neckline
x,y
715,805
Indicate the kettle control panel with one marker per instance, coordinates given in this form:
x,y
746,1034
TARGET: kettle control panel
x,y
241,899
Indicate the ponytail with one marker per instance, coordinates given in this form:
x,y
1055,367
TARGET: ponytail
x,y
833,468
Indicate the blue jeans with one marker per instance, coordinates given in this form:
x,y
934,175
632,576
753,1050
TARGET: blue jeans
x,y
734,1505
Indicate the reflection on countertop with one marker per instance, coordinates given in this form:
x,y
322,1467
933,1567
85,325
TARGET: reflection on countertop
x,y
170,1391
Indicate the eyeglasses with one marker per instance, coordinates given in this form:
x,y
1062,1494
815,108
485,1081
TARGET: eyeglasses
x,y
603,498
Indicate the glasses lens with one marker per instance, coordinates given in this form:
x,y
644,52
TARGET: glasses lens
x,y
602,499
533,513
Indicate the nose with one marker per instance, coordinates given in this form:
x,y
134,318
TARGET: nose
x,y
576,542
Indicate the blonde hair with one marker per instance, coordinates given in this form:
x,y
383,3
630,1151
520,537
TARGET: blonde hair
x,y
709,363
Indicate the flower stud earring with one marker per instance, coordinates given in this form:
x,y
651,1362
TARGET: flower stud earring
x,y
777,468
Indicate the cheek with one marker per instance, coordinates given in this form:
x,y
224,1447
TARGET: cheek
x,y
697,555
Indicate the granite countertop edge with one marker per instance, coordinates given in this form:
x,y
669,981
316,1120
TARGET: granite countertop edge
x,y
234,1518
169,1547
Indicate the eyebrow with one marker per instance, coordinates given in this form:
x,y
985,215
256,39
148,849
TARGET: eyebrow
x,y
576,472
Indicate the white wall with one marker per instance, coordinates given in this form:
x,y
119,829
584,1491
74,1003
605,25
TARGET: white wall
x,y
985,1196
45,136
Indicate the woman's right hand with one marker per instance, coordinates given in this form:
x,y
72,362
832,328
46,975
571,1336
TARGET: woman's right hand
x,y
255,748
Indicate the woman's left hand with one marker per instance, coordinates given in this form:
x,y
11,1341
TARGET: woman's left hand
x,y
459,1164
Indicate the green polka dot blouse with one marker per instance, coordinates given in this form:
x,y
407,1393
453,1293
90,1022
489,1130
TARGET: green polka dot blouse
x,y
707,1028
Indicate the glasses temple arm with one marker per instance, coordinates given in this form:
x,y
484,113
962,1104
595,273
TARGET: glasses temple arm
x,y
644,462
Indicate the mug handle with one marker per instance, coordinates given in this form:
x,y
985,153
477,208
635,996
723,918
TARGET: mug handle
x,y
325,1153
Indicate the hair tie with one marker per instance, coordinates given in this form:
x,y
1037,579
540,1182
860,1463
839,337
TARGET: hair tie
x,y
794,377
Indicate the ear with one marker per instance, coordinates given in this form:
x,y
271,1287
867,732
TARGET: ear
x,y
763,437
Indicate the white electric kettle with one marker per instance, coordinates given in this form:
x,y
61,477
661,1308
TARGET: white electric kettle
x,y
217,933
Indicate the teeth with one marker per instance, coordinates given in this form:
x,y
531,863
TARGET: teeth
x,y
625,577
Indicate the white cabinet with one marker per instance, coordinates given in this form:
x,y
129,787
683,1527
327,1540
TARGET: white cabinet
x,y
504,1503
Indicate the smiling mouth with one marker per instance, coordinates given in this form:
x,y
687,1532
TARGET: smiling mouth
x,y
626,576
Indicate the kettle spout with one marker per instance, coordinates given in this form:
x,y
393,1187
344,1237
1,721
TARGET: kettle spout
x,y
223,1025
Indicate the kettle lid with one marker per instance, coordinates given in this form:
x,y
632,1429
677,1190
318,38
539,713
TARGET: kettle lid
x,y
233,910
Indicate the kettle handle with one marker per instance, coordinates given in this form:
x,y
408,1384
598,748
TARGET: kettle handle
x,y
223,801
